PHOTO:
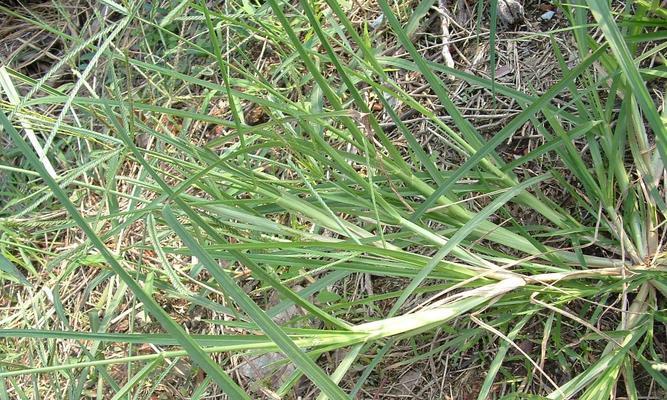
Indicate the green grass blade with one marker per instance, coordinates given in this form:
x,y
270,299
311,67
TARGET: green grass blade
x,y
270,328
193,349
619,47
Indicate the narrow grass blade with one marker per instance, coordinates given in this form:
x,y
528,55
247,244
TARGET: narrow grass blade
x,y
273,331
193,349
603,16
137,378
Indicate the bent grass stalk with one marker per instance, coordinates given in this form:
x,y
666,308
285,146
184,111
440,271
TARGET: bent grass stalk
x,y
323,192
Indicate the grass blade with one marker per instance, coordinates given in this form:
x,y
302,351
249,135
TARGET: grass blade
x,y
193,349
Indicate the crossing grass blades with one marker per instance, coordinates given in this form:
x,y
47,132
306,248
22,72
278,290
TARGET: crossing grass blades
x,y
318,192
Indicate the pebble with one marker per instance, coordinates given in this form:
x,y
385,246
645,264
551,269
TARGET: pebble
x,y
547,15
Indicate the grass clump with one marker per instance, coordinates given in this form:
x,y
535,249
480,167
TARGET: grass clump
x,y
189,186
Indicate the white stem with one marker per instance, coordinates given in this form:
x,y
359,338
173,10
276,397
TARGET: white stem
x,y
13,96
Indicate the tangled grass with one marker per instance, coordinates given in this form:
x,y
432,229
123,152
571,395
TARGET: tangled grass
x,y
183,176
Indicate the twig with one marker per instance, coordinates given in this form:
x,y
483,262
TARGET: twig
x,y
446,38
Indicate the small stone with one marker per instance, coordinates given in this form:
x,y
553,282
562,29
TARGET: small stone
x,y
547,15
377,22
266,368
269,371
